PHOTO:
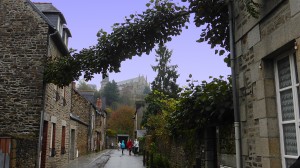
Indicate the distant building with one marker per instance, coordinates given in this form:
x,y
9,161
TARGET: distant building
x,y
104,82
132,89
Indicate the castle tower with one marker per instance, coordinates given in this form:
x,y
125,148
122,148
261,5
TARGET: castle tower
x,y
104,82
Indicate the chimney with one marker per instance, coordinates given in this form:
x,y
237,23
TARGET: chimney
x,y
98,103
74,85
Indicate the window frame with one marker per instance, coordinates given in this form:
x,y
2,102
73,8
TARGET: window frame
x,y
295,92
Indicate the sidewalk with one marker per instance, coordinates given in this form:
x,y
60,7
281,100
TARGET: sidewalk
x,y
94,160
117,160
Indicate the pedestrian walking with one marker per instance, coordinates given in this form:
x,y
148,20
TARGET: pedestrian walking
x,y
119,145
136,146
129,146
112,145
123,146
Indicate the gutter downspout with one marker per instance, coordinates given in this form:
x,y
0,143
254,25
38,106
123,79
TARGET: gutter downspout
x,y
233,63
38,164
38,161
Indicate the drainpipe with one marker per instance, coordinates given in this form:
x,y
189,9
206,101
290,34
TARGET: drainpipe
x,y
39,153
38,162
233,63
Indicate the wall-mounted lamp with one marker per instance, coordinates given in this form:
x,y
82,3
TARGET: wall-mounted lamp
x,y
259,66
296,47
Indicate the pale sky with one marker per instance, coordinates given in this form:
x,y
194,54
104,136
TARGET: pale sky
x,y
86,18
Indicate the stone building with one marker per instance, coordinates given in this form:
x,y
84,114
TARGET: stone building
x,y
135,86
100,126
87,126
80,115
130,90
268,57
34,115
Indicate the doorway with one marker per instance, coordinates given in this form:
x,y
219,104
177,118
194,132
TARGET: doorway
x,y
44,144
72,145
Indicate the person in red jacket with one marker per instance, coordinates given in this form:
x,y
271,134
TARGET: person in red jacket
x,y
129,146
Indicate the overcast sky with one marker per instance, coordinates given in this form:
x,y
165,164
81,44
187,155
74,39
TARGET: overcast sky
x,y
86,18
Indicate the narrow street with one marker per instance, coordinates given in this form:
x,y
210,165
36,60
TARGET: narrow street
x,y
107,159
124,161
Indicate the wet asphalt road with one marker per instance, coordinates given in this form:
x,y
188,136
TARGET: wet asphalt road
x,y
107,159
117,160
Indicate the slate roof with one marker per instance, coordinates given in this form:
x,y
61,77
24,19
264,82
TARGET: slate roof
x,y
46,7
40,13
133,80
37,7
67,30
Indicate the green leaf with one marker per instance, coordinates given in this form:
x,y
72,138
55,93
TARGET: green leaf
x,y
200,40
222,52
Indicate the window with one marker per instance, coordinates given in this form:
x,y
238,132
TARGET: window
x,y
63,140
93,121
287,90
59,26
57,96
52,142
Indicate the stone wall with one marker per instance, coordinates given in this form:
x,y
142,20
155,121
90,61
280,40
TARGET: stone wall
x,y
98,132
189,150
258,42
23,49
177,156
81,108
82,139
57,110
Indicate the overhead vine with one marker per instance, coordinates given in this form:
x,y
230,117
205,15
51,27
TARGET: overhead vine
x,y
139,34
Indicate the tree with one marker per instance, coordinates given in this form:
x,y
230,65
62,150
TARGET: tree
x,y
121,121
141,32
165,81
83,86
111,93
126,97
147,90
204,105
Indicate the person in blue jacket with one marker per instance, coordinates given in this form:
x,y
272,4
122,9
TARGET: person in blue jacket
x,y
122,146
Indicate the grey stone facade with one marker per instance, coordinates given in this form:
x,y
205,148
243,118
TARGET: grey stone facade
x,y
30,109
23,51
57,110
259,42
88,122
81,108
